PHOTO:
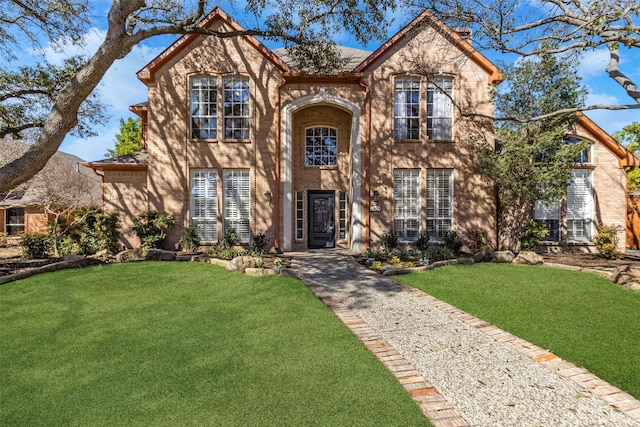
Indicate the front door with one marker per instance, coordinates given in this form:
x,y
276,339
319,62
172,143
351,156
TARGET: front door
x,y
322,219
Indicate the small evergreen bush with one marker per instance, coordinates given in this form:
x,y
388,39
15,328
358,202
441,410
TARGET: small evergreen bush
x,y
478,241
230,238
422,244
607,242
259,244
437,253
389,242
532,235
150,226
452,241
37,245
190,240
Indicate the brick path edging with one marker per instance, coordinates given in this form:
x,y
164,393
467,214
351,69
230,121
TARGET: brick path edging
x,y
440,412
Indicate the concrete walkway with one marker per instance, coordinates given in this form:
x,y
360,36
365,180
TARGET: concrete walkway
x,y
460,370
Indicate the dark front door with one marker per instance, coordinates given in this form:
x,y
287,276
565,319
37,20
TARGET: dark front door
x,y
322,221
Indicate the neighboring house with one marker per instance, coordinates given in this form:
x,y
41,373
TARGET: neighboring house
x,y
235,137
596,194
62,179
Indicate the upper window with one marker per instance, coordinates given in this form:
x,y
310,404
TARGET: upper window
x,y
321,146
585,155
440,109
406,105
204,107
236,107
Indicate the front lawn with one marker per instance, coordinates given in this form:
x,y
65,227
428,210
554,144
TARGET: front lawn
x,y
581,317
184,344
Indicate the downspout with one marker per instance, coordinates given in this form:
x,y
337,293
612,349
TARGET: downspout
x,y
367,163
276,193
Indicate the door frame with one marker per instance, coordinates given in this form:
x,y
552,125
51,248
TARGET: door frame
x,y
310,198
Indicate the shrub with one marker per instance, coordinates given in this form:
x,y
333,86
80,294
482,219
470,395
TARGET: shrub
x,y
107,229
389,242
395,259
150,226
93,232
371,253
376,265
607,242
437,253
422,244
230,238
37,245
190,241
405,255
452,241
259,244
219,251
532,235
478,241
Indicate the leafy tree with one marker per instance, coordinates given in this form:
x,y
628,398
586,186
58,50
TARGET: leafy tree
x,y
629,136
303,25
574,27
532,161
129,140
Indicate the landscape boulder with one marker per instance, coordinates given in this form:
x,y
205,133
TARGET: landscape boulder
x,y
528,258
502,256
140,254
626,275
241,263
482,256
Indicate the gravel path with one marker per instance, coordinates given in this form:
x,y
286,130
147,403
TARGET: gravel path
x,y
487,382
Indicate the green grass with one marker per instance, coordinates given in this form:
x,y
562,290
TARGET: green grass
x,y
184,344
581,317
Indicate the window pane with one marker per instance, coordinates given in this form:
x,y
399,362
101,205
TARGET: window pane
x,y
321,146
406,203
204,204
204,107
440,109
237,203
406,108
439,202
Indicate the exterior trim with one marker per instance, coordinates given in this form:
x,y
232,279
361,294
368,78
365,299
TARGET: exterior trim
x,y
460,42
357,169
625,157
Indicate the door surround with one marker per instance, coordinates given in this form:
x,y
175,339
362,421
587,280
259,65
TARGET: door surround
x,y
356,170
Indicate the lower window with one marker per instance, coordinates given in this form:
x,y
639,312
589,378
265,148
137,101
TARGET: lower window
x,y
14,221
237,203
204,204
406,204
439,202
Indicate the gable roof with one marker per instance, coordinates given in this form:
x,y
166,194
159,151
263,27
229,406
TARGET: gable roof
x,y
31,192
625,157
459,41
147,73
353,56
130,162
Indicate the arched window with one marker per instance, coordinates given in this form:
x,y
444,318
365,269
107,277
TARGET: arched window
x,y
585,155
321,146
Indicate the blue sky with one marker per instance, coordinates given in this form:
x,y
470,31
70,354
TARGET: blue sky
x,y
120,87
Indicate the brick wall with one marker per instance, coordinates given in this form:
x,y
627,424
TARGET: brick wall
x,y
125,193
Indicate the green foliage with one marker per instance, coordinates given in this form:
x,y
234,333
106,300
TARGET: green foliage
x,y
93,231
129,140
405,254
259,244
223,252
532,161
437,253
37,245
389,242
452,241
150,226
377,265
373,254
422,244
230,238
607,242
532,235
190,240
629,136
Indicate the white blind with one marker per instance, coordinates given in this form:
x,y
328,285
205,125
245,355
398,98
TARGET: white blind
x,y
439,202
546,210
237,203
440,109
406,203
579,206
406,107
204,204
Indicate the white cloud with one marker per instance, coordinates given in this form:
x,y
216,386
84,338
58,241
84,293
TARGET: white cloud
x,y
593,63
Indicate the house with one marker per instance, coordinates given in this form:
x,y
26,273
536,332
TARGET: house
x,y
63,179
236,137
